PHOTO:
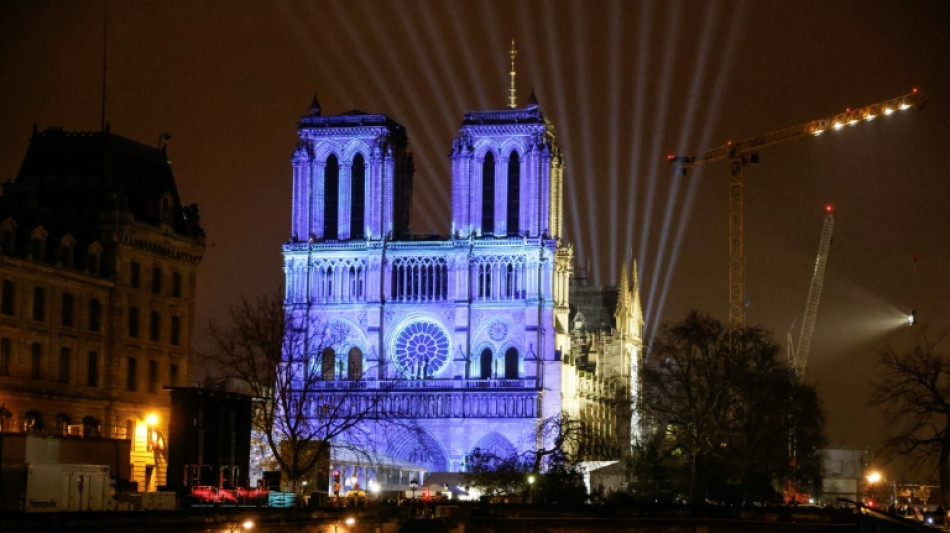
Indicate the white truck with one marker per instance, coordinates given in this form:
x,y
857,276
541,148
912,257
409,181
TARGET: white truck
x,y
65,487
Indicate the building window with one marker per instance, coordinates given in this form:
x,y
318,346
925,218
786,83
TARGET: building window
x,y
511,364
93,258
64,364
358,196
486,361
94,312
8,297
6,353
67,317
157,279
8,236
62,423
328,364
331,200
153,377
92,370
354,365
36,361
176,331
33,422
134,274
488,194
91,427
176,285
173,375
514,193
133,321
131,372
39,303
155,326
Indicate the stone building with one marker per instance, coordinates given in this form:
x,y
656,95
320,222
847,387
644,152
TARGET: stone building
x,y
469,333
98,261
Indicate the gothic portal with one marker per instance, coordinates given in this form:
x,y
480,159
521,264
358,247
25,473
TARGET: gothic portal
x,y
466,333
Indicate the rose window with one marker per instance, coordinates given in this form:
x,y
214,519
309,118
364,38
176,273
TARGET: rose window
x,y
498,331
421,350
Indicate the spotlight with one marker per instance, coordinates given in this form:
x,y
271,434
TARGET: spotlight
x,y
912,318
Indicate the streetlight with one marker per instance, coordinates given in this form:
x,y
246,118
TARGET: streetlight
x,y
531,488
414,485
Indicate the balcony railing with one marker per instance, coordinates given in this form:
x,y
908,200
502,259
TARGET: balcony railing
x,y
428,384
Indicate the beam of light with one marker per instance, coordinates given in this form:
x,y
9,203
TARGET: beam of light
x,y
582,100
473,76
614,133
662,104
560,107
499,49
693,100
645,28
736,29
369,89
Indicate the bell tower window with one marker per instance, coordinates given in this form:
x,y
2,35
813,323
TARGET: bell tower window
x,y
488,195
358,190
331,200
514,194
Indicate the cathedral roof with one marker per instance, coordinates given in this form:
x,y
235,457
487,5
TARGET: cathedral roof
x,y
529,115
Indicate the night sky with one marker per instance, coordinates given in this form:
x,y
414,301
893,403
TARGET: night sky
x,y
625,83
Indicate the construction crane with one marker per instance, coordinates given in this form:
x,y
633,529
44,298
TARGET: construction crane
x,y
798,355
741,153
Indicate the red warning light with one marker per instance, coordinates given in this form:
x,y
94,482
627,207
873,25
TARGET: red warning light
x,y
829,208
670,157
915,90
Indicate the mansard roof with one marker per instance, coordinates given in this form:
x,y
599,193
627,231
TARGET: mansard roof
x,y
68,180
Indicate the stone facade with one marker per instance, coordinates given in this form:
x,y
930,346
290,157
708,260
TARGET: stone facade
x,y
469,334
98,265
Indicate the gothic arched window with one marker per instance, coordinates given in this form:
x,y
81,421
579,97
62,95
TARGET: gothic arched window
x,y
511,364
354,364
514,193
331,200
327,364
486,361
488,194
358,197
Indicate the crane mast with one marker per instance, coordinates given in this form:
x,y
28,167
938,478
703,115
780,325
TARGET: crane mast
x,y
744,152
799,354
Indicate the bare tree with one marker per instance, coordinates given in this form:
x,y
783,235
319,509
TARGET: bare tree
x,y
915,392
723,404
305,405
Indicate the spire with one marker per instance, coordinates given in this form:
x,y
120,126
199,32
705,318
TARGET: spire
x,y
512,99
315,106
532,101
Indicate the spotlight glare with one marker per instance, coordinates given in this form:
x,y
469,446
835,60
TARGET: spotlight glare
x,y
904,106
870,116
818,132
838,125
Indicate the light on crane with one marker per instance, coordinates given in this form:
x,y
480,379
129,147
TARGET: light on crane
x,y
741,153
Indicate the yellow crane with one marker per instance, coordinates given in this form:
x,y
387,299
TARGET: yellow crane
x,y
741,153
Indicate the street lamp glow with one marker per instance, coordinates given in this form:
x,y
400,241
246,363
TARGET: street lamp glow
x,y
151,419
874,477
350,521
531,480
248,525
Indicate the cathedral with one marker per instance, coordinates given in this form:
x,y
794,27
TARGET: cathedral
x,y
471,335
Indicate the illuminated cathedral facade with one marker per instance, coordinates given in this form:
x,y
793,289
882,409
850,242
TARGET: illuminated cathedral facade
x,y
470,334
